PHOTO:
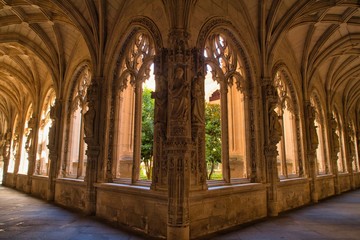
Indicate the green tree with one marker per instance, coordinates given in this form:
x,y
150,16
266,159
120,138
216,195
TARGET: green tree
x,y
212,136
147,131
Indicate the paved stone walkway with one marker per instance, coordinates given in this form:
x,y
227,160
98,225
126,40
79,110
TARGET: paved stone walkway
x,y
335,218
25,217
28,218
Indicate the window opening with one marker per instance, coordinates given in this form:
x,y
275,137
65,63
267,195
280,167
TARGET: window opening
x,y
287,161
134,112
42,156
27,135
224,111
77,159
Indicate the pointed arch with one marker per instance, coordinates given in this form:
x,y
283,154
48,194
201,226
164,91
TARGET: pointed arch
x,y
42,152
290,163
322,159
133,67
227,56
75,160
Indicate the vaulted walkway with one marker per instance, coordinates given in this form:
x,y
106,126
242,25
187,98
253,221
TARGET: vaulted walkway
x,y
25,217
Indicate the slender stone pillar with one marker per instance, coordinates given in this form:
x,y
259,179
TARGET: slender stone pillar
x,y
273,136
30,149
6,154
335,148
53,146
198,162
17,143
312,145
160,165
350,153
91,130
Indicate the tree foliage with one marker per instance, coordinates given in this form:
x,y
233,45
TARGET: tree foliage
x,y
212,136
147,131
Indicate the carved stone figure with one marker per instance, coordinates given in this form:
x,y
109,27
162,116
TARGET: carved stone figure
x,y
334,136
351,149
160,97
180,104
28,142
197,100
89,117
275,128
314,140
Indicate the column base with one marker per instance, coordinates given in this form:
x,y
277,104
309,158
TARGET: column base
x,y
314,197
272,209
178,232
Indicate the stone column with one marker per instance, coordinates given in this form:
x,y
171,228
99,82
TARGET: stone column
x,y
160,166
16,151
30,149
179,144
6,154
350,155
358,150
53,146
273,134
91,130
335,148
312,145
198,162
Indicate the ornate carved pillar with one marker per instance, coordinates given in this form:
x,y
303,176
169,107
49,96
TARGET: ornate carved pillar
x,y
53,146
91,129
350,153
30,149
198,163
160,166
6,153
273,134
16,151
358,150
312,145
179,143
335,148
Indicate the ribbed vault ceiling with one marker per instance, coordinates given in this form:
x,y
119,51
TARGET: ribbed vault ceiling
x,y
38,40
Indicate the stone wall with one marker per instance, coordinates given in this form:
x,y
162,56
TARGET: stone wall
x,y
39,186
71,193
344,182
325,186
21,182
224,207
357,180
9,180
133,206
293,193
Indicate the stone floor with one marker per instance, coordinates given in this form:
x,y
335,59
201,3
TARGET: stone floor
x,y
25,217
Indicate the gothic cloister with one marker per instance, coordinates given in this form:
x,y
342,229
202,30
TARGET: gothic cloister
x,y
180,118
